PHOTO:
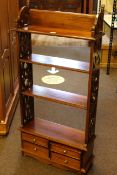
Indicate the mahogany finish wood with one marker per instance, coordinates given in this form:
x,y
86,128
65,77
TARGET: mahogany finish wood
x,y
61,19
58,96
54,132
42,23
66,147
8,64
58,62
66,161
36,150
65,150
57,32
34,139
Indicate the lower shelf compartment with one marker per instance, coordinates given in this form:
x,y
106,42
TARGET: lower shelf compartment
x,y
56,132
57,145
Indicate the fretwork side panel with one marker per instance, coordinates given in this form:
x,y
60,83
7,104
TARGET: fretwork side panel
x,y
94,79
26,77
93,102
25,47
27,108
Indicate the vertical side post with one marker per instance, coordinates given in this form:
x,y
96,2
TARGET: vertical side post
x,y
25,77
25,69
93,84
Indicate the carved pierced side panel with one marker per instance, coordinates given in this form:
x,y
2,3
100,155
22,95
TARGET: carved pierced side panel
x,y
94,89
93,102
26,82
26,76
27,109
94,77
25,48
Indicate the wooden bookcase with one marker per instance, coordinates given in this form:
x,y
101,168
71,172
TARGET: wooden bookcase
x,y
50,142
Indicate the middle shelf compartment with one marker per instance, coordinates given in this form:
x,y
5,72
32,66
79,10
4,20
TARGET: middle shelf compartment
x,y
57,62
58,96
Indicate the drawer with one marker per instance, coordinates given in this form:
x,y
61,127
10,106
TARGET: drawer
x,y
65,150
38,151
66,161
35,139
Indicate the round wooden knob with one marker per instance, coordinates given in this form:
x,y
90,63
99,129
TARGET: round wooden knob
x,y
65,151
35,149
34,140
66,161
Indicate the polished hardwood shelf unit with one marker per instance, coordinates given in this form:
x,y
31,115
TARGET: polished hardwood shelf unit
x,y
50,142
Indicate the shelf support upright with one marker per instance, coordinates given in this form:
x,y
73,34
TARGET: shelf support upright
x,y
111,36
95,57
25,69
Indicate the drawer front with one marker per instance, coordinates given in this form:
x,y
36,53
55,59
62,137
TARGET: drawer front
x,y
66,161
34,139
35,150
65,150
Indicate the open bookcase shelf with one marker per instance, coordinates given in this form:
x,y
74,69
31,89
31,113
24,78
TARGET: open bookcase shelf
x,y
57,32
59,145
43,23
58,96
63,63
54,132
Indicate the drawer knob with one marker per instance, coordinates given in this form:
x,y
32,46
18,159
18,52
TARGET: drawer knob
x,y
66,161
34,140
35,149
65,151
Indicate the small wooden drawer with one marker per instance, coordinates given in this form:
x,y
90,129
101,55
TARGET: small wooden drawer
x,y
66,161
35,139
65,150
39,151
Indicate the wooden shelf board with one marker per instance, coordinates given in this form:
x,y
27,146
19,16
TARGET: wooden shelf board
x,y
63,63
78,34
56,132
58,96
